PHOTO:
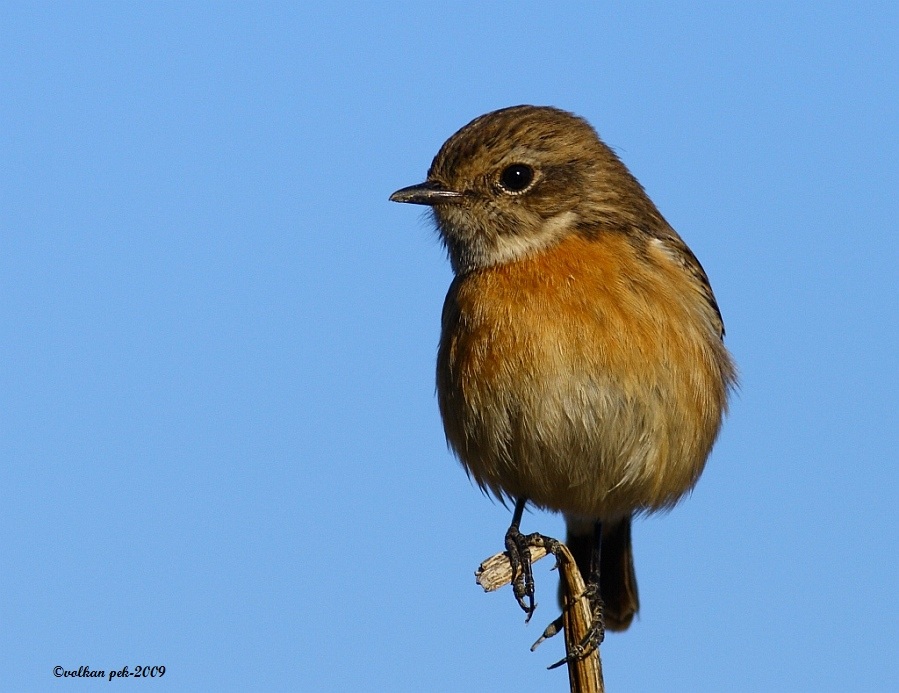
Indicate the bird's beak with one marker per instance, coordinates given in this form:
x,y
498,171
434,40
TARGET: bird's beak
x,y
428,193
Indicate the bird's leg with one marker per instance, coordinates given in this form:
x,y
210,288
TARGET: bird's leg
x,y
596,634
518,548
520,560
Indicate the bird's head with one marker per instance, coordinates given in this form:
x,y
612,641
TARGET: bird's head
x,y
518,180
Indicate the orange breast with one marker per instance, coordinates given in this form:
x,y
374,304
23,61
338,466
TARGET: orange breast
x,y
584,378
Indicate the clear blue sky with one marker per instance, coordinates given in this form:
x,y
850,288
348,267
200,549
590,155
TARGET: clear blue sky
x,y
219,445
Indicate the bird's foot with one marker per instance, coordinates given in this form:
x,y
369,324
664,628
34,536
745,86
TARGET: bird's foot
x,y
518,549
594,636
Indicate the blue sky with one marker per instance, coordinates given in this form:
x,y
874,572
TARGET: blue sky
x,y
219,446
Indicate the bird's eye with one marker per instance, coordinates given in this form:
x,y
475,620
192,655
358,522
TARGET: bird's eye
x,y
516,177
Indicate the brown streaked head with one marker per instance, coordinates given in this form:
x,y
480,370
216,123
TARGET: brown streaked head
x,y
519,179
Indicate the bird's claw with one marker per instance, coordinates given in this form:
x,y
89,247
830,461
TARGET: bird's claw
x,y
594,636
518,549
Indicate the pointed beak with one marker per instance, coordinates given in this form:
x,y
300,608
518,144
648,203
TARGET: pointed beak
x,y
428,193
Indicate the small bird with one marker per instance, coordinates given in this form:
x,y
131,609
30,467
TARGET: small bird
x,y
581,365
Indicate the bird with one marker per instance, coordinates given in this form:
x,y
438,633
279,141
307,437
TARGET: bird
x,y
581,367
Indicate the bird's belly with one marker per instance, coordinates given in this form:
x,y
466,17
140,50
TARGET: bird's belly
x,y
591,413
579,443
598,392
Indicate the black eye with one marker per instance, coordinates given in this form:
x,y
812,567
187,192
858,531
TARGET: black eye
x,y
516,177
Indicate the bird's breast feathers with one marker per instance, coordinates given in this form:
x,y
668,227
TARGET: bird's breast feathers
x,y
594,359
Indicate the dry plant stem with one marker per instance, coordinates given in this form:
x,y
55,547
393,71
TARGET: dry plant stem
x,y
496,571
584,674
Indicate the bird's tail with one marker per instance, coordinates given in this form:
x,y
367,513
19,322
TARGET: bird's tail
x,y
617,580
